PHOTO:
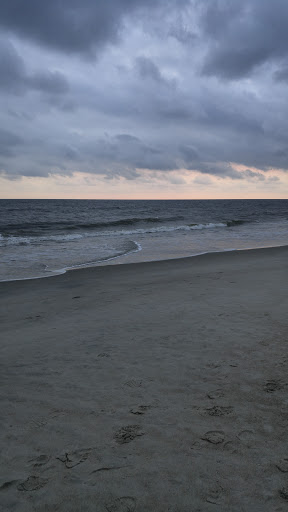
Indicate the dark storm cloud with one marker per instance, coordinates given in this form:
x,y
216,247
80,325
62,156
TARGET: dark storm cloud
x,y
72,26
243,35
15,79
153,99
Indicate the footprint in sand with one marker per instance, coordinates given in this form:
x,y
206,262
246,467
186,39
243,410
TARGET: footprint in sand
x,y
133,383
124,504
127,434
107,468
247,437
282,465
219,410
216,495
214,365
284,493
141,409
217,393
74,458
40,461
104,354
272,385
7,484
231,446
37,423
214,436
33,483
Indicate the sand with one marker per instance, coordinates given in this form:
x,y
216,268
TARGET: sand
x,y
147,387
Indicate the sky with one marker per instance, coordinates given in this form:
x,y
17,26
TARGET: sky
x,y
144,99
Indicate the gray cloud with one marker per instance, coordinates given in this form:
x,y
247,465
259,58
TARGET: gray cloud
x,y
189,153
243,35
72,26
12,69
148,69
253,175
224,170
153,99
8,143
128,152
281,74
126,138
15,79
221,170
52,82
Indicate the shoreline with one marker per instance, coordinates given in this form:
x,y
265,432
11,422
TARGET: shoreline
x,y
104,263
151,386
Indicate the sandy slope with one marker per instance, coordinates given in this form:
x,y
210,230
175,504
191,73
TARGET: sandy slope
x,y
149,387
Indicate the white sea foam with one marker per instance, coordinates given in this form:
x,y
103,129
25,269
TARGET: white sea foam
x,y
137,248
161,229
25,240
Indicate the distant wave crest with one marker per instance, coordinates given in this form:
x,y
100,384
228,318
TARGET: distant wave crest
x,y
86,231
38,228
231,223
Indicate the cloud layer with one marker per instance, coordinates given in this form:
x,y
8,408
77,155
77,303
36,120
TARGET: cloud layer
x,y
121,87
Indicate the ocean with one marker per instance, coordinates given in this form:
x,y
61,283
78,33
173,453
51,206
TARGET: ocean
x,y
41,238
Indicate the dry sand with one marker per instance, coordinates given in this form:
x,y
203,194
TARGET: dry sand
x,y
147,387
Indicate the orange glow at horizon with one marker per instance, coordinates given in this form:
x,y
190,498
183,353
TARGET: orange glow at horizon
x,y
180,184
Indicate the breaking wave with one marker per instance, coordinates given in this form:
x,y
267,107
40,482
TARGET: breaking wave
x,y
37,228
19,239
231,223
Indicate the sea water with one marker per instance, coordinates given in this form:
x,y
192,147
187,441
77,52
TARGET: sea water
x,y
45,237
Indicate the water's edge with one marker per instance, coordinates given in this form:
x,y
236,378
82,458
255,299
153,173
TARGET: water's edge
x,y
59,272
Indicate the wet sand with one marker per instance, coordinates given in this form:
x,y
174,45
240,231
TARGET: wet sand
x,y
147,387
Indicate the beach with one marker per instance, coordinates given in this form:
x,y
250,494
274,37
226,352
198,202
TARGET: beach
x,y
144,387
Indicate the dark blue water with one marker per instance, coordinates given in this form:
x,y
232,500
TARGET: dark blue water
x,y
41,237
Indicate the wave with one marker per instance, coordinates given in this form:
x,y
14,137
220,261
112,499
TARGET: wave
x,y
27,240
131,247
231,223
209,225
72,237
40,227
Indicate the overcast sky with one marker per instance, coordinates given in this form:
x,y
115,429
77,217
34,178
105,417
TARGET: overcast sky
x,y
144,98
